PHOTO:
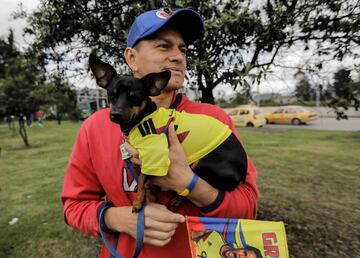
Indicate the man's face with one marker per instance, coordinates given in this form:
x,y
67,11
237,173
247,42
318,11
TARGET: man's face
x,y
165,51
238,253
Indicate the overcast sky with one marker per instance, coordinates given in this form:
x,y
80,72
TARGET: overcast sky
x,y
280,81
7,8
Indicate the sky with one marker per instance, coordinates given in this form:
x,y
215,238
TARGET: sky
x,y
7,8
279,81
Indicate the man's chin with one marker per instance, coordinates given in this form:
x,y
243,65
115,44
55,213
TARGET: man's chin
x,y
174,84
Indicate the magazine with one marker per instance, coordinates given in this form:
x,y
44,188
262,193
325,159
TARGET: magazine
x,y
222,238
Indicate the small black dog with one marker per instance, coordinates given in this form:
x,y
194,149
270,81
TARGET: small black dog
x,y
213,151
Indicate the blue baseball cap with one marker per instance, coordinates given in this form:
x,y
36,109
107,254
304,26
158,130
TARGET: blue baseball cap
x,y
185,20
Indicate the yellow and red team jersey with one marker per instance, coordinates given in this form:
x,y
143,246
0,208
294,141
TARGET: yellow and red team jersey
x,y
193,131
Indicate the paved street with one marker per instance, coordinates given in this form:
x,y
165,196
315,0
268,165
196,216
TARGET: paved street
x,y
352,124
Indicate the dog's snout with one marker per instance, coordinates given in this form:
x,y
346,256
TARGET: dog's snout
x,y
116,116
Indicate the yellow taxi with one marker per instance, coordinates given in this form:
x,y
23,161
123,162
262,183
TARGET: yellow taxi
x,y
295,115
248,116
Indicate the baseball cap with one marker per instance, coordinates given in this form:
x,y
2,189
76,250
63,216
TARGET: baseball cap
x,y
185,20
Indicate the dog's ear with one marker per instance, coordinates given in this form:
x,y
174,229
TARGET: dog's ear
x,y
156,82
102,71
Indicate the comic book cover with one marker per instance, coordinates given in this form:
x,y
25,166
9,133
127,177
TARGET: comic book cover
x,y
222,238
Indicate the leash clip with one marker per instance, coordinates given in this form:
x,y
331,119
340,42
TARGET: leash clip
x,y
124,153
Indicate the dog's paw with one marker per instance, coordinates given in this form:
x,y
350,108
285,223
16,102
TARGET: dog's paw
x,y
136,208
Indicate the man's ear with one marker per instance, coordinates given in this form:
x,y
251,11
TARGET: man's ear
x,y
102,71
156,82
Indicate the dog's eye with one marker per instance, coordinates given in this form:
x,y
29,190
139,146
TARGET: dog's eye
x,y
136,100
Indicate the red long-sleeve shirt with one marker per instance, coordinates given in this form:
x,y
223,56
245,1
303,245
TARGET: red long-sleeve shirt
x,y
96,170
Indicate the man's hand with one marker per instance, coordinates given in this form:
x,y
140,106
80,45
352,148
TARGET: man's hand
x,y
160,223
179,174
134,153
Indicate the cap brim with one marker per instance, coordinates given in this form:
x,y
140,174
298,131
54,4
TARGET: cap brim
x,y
186,21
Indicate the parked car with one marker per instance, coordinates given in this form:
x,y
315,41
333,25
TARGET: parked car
x,y
247,116
295,115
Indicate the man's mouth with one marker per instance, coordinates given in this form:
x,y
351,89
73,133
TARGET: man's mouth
x,y
174,70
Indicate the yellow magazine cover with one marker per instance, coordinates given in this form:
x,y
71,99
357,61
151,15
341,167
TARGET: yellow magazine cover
x,y
223,238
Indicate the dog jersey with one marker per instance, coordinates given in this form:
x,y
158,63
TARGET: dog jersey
x,y
198,134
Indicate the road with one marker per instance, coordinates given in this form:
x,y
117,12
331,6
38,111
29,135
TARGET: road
x,y
326,123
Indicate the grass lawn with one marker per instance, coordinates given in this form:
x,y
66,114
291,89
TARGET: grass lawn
x,y
308,179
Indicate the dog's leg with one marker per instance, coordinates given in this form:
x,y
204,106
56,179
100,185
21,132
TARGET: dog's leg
x,y
175,202
140,197
151,192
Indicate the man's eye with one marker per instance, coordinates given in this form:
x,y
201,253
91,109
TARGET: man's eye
x,y
164,46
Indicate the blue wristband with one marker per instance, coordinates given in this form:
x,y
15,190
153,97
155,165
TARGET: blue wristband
x,y
190,187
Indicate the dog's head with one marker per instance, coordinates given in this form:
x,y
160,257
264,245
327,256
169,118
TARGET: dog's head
x,y
128,95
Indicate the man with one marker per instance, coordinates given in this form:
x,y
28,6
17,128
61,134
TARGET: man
x,y
247,252
157,41
211,244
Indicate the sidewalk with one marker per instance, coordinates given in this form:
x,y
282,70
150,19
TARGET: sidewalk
x,y
321,111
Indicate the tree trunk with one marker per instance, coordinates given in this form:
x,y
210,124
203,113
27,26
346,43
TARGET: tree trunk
x,y
59,118
22,131
207,96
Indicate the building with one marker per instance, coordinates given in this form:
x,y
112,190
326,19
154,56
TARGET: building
x,y
90,100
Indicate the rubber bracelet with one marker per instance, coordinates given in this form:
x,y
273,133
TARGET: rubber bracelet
x,y
190,187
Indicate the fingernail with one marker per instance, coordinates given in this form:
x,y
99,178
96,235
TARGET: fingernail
x,y
182,219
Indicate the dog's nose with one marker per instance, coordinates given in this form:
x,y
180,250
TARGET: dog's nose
x,y
116,116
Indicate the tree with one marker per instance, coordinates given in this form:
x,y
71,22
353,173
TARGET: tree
x,y
238,99
304,91
19,77
345,92
59,95
242,40
23,86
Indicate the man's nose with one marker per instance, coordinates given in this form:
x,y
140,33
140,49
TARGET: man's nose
x,y
177,55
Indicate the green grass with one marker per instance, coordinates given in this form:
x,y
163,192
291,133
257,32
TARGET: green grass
x,y
30,186
308,179
311,181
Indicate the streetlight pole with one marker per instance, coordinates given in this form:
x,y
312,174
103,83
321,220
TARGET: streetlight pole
x,y
258,95
317,96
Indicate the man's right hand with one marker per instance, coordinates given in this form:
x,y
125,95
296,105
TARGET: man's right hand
x,y
160,223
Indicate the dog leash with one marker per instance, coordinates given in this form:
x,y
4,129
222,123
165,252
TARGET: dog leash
x,y
139,235
126,156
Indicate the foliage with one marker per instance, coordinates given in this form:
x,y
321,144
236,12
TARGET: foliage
x,y
304,90
242,39
20,76
59,96
24,87
239,99
346,92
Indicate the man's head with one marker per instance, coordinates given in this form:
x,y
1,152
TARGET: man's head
x,y
158,41
246,252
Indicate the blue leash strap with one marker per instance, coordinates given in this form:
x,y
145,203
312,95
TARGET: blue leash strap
x,y
140,219
112,250
130,167
139,234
